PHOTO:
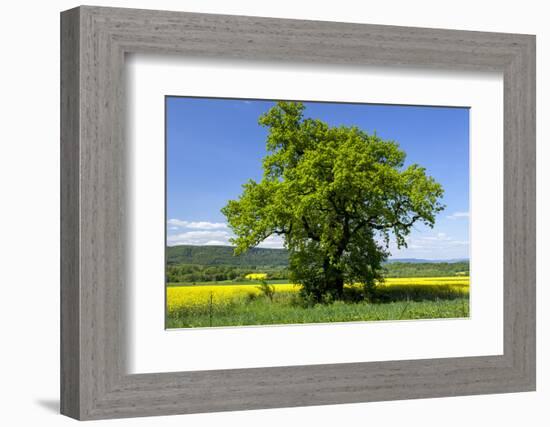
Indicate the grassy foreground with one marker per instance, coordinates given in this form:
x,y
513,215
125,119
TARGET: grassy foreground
x,y
245,304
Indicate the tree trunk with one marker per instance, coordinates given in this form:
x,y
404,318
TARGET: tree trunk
x,y
334,279
339,285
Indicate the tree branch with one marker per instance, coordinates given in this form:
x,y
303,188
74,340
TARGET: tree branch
x,y
396,224
310,233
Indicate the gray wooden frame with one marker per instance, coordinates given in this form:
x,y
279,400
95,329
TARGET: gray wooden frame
x,y
94,382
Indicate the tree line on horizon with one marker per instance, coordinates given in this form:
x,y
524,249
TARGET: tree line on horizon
x,y
196,273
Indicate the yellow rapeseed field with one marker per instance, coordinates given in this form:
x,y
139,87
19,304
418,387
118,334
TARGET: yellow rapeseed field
x,y
256,276
455,282
198,295
178,296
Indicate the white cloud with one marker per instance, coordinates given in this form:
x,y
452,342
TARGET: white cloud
x,y
200,238
215,243
431,246
216,237
273,241
205,233
458,215
198,225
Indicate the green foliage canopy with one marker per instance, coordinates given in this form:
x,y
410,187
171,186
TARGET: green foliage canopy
x,y
337,195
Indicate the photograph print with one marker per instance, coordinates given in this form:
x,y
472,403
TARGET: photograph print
x,y
300,212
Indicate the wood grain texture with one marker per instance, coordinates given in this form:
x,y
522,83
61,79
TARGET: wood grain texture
x,y
70,258
94,381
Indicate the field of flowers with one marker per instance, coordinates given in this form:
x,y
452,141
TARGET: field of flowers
x,y
193,295
245,303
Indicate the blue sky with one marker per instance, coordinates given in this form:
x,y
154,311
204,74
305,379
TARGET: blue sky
x,y
215,145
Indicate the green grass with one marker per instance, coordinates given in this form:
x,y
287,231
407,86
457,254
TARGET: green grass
x,y
287,309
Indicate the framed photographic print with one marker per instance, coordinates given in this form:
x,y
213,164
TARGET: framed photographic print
x,y
262,213
310,241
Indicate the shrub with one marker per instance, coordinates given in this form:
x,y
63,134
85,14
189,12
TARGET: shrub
x,y
266,289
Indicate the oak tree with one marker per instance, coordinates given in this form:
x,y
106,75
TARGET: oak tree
x,y
337,196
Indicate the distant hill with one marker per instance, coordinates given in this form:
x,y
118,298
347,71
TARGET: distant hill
x,y
223,255
427,261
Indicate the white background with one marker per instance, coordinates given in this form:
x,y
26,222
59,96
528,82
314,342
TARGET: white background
x,y
29,217
152,349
